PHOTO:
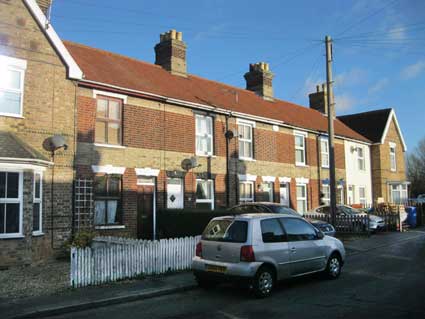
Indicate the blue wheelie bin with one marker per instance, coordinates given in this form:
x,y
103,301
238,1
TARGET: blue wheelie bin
x,y
411,216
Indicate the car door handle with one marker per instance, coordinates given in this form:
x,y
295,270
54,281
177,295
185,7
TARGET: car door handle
x,y
293,249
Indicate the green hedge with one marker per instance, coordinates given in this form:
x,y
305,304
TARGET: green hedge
x,y
173,223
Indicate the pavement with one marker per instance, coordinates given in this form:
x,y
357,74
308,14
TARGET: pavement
x,y
86,299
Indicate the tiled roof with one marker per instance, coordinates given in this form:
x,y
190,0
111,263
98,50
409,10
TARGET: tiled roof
x,y
114,69
13,147
369,124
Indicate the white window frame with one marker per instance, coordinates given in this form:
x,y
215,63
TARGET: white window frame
x,y
362,199
19,201
400,190
210,183
324,153
18,65
209,121
271,189
247,199
300,148
361,167
326,199
393,158
250,141
302,198
38,201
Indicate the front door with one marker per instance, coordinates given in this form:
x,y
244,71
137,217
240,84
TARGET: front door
x,y
145,208
284,194
175,193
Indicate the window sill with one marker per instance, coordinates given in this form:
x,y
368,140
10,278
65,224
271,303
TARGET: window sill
x,y
247,159
301,165
203,155
12,236
109,145
110,227
12,115
327,167
37,234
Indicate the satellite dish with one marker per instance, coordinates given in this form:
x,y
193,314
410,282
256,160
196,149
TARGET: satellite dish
x,y
57,142
229,134
186,164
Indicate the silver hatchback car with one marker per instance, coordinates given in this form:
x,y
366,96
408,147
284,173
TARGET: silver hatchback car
x,y
263,248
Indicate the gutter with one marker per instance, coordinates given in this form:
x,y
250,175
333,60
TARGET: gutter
x,y
205,107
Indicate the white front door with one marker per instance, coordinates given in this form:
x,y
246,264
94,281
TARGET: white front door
x,y
175,193
284,194
350,194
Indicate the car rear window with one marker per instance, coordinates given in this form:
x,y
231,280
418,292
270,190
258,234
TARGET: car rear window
x,y
227,230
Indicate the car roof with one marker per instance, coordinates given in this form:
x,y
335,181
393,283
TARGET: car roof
x,y
261,203
254,216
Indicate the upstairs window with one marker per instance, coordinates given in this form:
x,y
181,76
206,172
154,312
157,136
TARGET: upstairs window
x,y
393,161
360,159
300,154
12,73
245,131
324,152
108,121
204,135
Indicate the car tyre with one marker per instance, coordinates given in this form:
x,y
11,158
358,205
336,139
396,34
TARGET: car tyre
x,y
264,282
334,267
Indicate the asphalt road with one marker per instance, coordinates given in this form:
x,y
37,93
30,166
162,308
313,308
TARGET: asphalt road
x,y
384,283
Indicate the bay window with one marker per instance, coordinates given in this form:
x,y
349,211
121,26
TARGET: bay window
x,y
11,204
398,193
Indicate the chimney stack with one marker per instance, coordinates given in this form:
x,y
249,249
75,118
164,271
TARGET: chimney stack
x,y
170,53
44,6
259,80
319,99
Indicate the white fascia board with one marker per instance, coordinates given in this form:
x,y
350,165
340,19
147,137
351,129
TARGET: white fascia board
x,y
108,169
147,171
387,126
247,177
74,71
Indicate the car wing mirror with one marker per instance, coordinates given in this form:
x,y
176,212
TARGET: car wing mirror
x,y
320,235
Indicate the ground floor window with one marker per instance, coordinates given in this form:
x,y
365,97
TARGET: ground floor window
x,y
267,189
107,192
246,192
302,198
362,195
326,195
37,206
205,193
398,193
350,194
10,204
340,195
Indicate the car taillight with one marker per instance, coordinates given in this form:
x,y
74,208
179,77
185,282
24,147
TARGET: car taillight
x,y
199,249
247,253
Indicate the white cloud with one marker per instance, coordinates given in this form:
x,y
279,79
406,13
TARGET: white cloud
x,y
397,33
310,85
413,70
378,86
211,31
344,102
350,78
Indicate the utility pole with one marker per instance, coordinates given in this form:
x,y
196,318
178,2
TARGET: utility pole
x,y
331,114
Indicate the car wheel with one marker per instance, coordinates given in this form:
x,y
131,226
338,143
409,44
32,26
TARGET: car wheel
x,y
264,282
205,283
333,268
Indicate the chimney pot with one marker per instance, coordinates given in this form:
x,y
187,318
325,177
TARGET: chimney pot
x,y
179,36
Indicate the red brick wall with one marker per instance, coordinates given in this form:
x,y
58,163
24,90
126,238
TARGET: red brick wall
x,y
86,108
339,156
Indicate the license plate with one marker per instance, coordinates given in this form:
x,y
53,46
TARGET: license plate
x,y
213,268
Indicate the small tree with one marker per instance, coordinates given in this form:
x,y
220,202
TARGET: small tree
x,y
416,169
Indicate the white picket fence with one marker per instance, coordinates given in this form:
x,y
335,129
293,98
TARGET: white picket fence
x,y
130,258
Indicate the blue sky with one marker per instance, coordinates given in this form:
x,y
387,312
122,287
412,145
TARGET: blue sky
x,y
379,48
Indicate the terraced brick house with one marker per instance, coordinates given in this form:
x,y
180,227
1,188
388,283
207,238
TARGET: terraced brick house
x,y
153,136
37,102
388,153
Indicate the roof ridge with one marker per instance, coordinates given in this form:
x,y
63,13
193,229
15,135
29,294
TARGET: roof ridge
x,y
366,112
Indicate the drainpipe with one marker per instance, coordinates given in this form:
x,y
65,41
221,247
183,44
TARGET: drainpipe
x,y
227,165
318,163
